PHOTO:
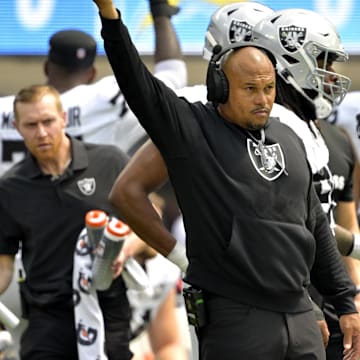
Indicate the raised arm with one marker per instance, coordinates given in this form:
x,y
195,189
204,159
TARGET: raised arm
x,y
170,66
153,103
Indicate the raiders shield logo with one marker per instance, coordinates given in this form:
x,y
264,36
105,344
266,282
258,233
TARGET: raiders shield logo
x,y
239,31
87,186
269,162
292,37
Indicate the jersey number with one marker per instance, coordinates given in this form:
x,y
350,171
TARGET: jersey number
x,y
12,147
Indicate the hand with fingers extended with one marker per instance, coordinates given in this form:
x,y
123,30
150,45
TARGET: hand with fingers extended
x,y
324,331
162,8
350,327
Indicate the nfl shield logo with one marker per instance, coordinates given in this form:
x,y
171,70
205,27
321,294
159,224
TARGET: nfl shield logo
x,y
269,162
239,31
292,37
87,186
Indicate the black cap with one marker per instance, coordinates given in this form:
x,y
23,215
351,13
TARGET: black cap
x,y
72,49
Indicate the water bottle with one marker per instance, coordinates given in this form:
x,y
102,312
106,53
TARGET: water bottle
x,y
108,248
95,222
7,317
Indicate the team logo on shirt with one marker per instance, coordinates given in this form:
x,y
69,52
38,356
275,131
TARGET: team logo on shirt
x,y
291,37
87,186
268,160
239,31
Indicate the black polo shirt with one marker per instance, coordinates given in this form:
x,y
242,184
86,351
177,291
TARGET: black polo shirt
x,y
47,215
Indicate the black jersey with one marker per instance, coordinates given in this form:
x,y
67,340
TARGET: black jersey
x,y
47,215
255,228
341,160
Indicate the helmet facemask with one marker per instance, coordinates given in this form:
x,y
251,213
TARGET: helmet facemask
x,y
299,39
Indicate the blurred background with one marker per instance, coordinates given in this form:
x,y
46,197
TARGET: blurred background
x,y
26,25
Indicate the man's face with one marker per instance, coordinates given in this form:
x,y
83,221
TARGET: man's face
x,y
42,126
331,77
252,85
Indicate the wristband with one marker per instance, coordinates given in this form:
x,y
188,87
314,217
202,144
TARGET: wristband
x,y
355,250
178,256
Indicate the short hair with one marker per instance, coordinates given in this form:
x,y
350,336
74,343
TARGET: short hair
x,y
35,93
263,50
73,50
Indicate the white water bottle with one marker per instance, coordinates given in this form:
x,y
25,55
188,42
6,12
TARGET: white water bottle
x,y
7,317
106,251
95,223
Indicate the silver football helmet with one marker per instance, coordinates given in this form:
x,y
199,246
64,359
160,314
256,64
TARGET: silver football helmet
x,y
231,26
298,38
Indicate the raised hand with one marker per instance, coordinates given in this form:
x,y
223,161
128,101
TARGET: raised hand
x,y
107,8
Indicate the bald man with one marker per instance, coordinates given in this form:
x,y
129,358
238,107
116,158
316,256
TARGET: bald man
x,y
255,228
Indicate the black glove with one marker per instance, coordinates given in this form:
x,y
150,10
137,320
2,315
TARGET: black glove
x,y
162,8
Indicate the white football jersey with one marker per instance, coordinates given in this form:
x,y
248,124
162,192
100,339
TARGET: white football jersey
x,y
96,113
347,117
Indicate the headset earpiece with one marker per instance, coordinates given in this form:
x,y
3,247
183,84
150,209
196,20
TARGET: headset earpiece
x,y
216,81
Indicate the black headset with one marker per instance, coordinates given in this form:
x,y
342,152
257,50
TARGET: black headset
x,y
216,81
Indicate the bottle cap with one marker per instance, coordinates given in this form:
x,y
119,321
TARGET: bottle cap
x,y
96,218
117,228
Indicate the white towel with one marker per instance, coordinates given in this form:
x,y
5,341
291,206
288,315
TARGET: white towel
x,y
89,322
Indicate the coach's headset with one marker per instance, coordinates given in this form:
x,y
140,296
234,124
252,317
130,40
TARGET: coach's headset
x,y
216,81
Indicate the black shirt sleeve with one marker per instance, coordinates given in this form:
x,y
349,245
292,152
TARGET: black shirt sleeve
x,y
328,268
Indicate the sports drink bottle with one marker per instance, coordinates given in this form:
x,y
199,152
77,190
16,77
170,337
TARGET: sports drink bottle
x,y
106,251
95,222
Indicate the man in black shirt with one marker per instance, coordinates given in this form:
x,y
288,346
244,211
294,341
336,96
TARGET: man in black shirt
x,y
256,232
43,202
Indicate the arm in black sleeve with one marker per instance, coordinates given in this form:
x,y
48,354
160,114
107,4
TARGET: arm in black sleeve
x,y
149,99
328,273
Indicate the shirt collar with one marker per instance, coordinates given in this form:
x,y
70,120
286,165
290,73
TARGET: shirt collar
x,y
79,161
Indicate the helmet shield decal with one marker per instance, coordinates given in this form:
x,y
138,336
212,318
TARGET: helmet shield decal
x,y
239,31
291,37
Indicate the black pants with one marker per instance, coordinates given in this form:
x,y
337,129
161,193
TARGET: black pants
x,y
116,311
237,331
50,335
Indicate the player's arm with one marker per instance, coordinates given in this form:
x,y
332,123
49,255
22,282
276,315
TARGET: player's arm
x,y
145,173
169,64
164,332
